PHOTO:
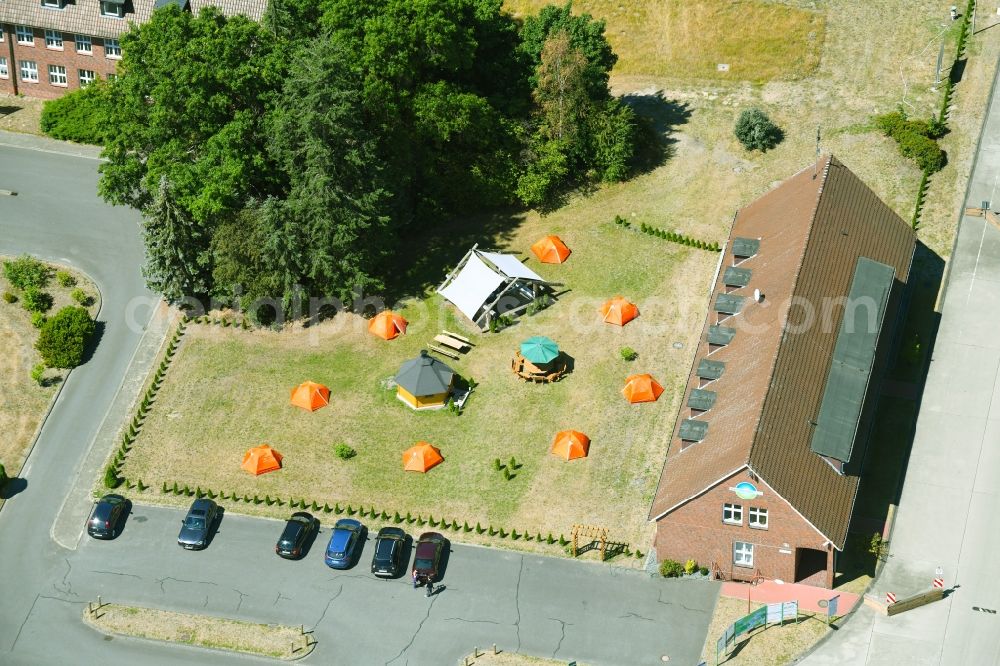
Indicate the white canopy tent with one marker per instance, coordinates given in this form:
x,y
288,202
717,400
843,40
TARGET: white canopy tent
x,y
481,279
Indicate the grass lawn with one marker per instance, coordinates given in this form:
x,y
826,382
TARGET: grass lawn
x,y
770,646
23,402
20,114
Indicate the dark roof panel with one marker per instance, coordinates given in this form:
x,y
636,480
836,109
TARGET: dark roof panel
x,y
745,247
424,375
720,335
853,357
729,304
701,399
692,430
710,369
736,277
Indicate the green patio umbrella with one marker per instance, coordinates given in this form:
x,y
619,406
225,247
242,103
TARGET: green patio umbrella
x,y
539,349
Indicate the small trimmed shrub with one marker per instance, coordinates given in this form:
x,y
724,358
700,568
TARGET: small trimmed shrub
x,y
497,465
64,337
703,571
26,271
65,279
3,476
111,479
38,319
512,463
344,452
36,300
479,528
506,474
756,131
690,567
81,297
671,568
9,297
628,353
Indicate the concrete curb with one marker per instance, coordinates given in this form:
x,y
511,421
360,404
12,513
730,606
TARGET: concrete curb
x,y
44,144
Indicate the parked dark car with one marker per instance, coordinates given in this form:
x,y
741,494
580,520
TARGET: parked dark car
x,y
427,559
390,545
106,517
346,542
197,525
298,529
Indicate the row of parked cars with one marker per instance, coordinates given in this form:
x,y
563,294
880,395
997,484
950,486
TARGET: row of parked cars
x,y
347,538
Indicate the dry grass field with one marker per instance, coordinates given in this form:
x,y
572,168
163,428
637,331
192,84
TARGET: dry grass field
x,y
510,659
22,401
270,640
20,114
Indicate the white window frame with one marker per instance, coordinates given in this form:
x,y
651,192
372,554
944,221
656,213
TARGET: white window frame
x,y
757,518
119,9
4,69
55,75
117,47
31,70
25,35
53,39
743,554
86,80
732,514
1,34
82,41
53,4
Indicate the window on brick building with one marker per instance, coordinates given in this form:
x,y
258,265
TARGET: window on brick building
x,y
112,77
53,39
25,35
758,518
53,4
84,44
29,71
4,71
732,514
114,9
87,77
57,75
112,49
742,554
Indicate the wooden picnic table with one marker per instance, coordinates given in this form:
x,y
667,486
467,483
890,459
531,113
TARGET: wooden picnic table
x,y
447,341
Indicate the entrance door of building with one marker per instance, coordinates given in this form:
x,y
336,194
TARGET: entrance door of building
x,y
810,566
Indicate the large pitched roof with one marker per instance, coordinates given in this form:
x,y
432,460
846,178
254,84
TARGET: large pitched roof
x,y
83,17
811,229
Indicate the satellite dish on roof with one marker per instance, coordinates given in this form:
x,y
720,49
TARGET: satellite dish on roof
x,y
757,296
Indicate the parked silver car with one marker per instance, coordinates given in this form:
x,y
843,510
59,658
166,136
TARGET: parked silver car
x,y
196,528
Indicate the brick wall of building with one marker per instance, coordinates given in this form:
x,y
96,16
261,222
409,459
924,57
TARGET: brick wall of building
x,y
696,531
96,61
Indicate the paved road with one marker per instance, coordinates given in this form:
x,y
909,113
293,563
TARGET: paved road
x,y
541,606
947,515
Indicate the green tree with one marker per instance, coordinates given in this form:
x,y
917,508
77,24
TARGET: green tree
x,y
585,35
64,337
178,260
756,131
242,267
545,176
26,271
613,134
561,92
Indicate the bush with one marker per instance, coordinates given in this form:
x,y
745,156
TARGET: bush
x,y
3,476
629,354
64,337
344,452
36,300
703,571
81,297
671,568
922,150
37,372
690,567
9,297
26,271
77,116
756,131
111,478
38,319
65,279
916,139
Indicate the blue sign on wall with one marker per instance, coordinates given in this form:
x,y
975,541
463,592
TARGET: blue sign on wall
x,y
746,490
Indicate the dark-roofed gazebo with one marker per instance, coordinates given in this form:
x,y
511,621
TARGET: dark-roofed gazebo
x,y
424,382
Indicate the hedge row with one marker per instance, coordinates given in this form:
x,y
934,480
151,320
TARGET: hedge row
x,y
671,236
112,474
226,322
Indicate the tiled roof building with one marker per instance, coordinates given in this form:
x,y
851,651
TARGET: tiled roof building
x,y
763,466
48,47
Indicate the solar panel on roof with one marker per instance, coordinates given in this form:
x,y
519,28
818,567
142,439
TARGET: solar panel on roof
x,y
710,369
720,335
728,304
701,399
692,430
736,277
745,247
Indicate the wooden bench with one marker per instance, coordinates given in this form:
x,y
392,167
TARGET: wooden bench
x,y
459,337
451,343
443,352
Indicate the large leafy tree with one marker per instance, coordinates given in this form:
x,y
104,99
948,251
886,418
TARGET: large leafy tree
x,y
188,107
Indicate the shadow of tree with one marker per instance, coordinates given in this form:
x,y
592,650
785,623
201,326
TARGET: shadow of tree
x,y
660,118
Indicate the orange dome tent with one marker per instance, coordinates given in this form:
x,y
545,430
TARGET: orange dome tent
x,y
421,457
551,250
387,325
570,444
641,388
310,396
261,459
619,311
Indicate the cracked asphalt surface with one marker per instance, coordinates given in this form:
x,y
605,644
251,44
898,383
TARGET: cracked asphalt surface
x,y
540,606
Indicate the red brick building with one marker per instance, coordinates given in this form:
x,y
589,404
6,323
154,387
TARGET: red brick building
x,y
763,465
48,47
